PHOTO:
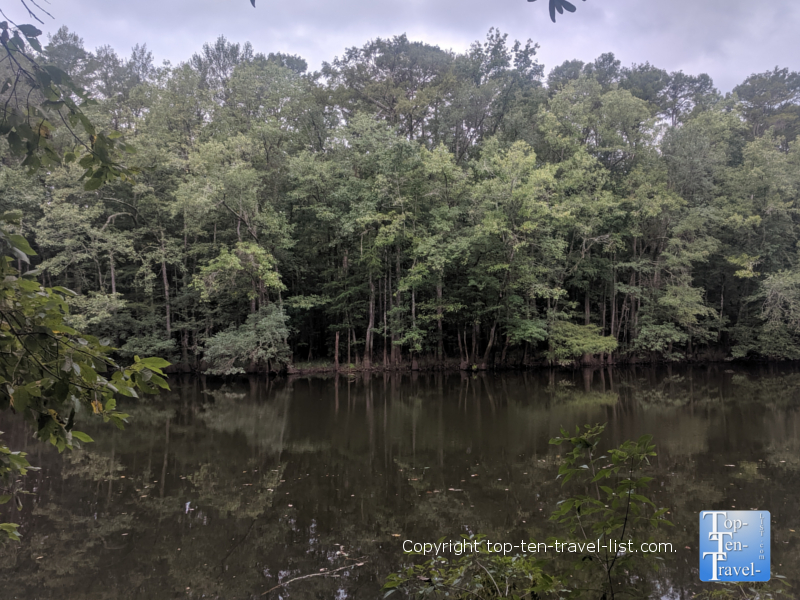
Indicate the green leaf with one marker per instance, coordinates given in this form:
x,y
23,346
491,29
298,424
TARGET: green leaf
x,y
28,285
20,243
79,435
154,362
640,498
160,382
63,290
86,161
93,184
11,530
29,30
57,75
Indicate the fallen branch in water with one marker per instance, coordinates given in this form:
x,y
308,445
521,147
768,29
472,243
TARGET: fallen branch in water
x,y
320,574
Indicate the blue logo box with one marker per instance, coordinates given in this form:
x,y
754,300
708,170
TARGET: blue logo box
x,y
734,545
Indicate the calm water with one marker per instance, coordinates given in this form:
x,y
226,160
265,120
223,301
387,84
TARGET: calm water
x,y
222,490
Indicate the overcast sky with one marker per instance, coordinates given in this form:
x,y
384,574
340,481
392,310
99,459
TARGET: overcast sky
x,y
728,39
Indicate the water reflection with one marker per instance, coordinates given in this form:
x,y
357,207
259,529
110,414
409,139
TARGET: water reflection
x,y
221,490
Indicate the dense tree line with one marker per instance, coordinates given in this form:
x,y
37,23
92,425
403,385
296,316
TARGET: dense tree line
x,y
412,204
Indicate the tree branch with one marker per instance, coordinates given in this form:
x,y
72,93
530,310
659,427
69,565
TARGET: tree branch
x,y
321,574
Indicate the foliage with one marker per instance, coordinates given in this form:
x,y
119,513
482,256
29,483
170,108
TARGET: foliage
x,y
559,6
248,261
481,574
435,205
660,338
570,340
613,507
37,99
614,511
260,341
12,465
750,591
50,373
779,333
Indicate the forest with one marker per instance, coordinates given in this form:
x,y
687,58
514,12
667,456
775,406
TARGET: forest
x,y
409,206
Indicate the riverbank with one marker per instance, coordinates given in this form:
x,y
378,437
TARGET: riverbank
x,y
452,365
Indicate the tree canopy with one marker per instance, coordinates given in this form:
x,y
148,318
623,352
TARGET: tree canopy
x,y
408,203
51,373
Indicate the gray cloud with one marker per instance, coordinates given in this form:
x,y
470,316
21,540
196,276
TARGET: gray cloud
x,y
728,39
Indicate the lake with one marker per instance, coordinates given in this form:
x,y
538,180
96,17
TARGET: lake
x,y
224,489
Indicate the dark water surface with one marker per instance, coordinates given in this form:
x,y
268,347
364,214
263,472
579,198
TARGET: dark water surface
x,y
223,490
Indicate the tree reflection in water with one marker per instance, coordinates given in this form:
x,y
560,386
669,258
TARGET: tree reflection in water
x,y
224,490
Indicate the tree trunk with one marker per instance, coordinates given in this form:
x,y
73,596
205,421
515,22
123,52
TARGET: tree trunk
x,y
586,309
370,325
490,344
613,301
474,356
634,312
355,348
721,310
166,287
505,349
336,352
385,325
603,326
185,346
396,352
414,363
113,273
439,312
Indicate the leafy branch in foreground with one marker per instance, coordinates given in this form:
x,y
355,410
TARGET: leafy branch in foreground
x,y
479,575
51,373
36,99
767,590
560,6
12,465
614,509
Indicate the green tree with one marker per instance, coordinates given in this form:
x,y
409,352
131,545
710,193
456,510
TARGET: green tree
x,y
50,373
259,342
771,100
